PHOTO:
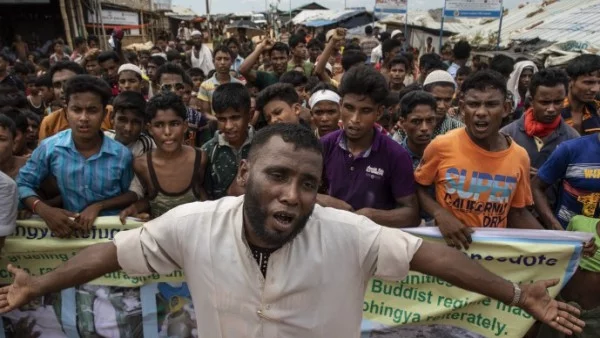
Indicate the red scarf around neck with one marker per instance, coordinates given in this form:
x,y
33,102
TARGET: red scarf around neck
x,y
538,129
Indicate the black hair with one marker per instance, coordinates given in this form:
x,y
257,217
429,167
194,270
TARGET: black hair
x,y
352,46
88,84
463,71
6,57
173,55
44,81
351,58
415,98
294,77
169,68
211,73
21,68
157,60
16,115
195,72
548,78
132,57
502,64
279,91
364,80
223,49
384,36
323,86
129,101
315,43
462,50
231,96
164,101
583,65
11,96
78,41
231,40
44,63
32,116
389,45
399,59
7,123
313,81
300,136
66,65
408,89
93,38
295,40
108,55
391,100
280,47
483,80
31,79
57,42
369,30
145,52
430,62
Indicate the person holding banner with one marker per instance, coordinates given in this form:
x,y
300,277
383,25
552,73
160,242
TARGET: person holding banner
x,y
295,286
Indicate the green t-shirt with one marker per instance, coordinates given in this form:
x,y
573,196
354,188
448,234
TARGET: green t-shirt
x,y
589,225
265,79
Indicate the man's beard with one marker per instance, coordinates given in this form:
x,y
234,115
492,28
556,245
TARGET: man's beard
x,y
257,217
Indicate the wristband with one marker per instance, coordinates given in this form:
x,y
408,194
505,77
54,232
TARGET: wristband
x,y
35,203
517,295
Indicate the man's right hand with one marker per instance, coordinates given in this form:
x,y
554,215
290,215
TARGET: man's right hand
x,y
130,211
455,233
60,221
265,44
20,292
339,34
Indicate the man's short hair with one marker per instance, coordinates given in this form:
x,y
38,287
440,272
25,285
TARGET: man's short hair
x,y
353,57
230,41
108,55
173,55
300,136
549,78
78,41
463,71
164,101
16,115
368,30
224,49
7,123
583,65
195,72
294,77
502,64
399,59
315,43
132,101
93,38
66,65
169,68
388,45
157,60
462,50
280,47
364,80
416,98
483,80
88,84
295,40
279,91
430,62
231,96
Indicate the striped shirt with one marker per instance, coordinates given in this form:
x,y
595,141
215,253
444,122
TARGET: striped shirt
x,y
82,182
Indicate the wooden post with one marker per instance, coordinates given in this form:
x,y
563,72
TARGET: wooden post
x,y
65,19
81,17
103,41
142,27
74,18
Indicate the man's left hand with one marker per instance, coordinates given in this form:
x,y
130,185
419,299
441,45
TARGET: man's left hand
x,y
589,248
367,212
88,216
558,315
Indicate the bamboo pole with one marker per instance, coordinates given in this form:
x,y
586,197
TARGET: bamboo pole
x,y
142,28
76,26
81,17
65,19
103,41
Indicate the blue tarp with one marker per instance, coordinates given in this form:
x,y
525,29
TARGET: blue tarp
x,y
319,23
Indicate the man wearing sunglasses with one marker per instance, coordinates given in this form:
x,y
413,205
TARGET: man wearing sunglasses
x,y
172,78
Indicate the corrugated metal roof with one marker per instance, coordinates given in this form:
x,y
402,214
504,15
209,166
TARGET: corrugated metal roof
x,y
523,19
580,25
426,19
181,12
308,15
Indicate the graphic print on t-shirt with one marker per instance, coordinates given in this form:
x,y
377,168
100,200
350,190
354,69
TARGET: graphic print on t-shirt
x,y
483,194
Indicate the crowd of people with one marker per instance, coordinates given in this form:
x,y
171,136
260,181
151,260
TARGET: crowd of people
x,y
404,137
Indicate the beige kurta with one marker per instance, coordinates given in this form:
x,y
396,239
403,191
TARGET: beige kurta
x,y
314,286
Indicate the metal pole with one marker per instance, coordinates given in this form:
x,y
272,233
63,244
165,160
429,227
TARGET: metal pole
x,y
406,36
442,28
500,26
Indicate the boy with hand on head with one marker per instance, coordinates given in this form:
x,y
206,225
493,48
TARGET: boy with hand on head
x,y
231,105
172,174
279,103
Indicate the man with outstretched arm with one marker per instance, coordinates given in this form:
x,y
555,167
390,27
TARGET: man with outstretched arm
x,y
286,287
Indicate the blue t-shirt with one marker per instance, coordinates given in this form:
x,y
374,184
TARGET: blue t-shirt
x,y
577,163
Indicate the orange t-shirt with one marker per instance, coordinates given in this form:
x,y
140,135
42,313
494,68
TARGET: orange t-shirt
x,y
57,121
477,186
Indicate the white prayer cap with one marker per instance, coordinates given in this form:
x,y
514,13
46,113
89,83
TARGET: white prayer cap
x,y
439,76
323,95
130,67
396,32
196,33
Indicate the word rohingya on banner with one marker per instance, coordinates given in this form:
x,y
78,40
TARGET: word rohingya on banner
x,y
34,248
422,305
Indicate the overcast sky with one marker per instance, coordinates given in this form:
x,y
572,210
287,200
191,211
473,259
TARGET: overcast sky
x,y
226,6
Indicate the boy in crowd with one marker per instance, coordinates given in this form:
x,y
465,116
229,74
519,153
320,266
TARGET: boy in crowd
x,y
461,53
441,85
315,48
300,82
171,174
279,103
9,163
417,117
154,63
197,76
130,78
580,109
223,61
21,126
110,62
481,177
129,119
399,66
237,60
9,200
56,122
93,172
299,56
380,169
230,145
44,86
324,106
278,54
390,49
